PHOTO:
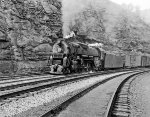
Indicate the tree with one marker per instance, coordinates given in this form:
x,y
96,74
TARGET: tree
x,y
90,21
127,32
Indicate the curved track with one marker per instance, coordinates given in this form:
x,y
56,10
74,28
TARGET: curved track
x,y
119,105
54,111
13,88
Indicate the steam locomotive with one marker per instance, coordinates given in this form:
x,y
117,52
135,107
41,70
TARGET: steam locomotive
x,y
72,57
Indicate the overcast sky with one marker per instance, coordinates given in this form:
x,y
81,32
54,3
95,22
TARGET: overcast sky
x,y
143,4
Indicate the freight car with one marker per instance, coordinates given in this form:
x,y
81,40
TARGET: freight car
x,y
137,60
113,61
145,61
132,60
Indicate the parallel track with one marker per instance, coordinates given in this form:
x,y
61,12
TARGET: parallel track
x,y
20,80
18,89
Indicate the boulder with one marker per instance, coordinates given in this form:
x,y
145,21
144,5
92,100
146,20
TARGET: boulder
x,y
43,48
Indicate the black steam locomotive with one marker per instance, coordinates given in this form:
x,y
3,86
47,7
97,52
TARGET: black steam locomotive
x,y
72,57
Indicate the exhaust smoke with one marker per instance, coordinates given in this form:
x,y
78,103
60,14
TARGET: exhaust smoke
x,y
70,8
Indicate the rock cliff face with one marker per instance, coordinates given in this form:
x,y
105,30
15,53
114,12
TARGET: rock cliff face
x,y
27,29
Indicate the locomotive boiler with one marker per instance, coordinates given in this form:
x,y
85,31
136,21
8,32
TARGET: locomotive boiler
x,y
68,57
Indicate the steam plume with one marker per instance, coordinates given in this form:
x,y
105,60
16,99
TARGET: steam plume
x,y
69,9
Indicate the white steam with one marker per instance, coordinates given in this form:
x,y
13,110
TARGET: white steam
x,y
70,8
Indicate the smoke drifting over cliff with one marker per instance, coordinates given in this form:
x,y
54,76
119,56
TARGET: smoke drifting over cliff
x,y
69,9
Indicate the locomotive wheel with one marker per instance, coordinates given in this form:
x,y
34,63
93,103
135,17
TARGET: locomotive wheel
x,y
66,71
69,71
89,67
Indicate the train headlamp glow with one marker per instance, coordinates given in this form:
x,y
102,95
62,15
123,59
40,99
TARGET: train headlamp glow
x,y
51,57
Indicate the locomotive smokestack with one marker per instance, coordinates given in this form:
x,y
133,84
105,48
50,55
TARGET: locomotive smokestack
x,y
75,32
72,34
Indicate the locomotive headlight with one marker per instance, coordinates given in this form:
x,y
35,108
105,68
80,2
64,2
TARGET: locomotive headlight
x,y
51,59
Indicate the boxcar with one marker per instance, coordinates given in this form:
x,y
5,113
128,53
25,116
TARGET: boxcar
x,y
113,61
145,61
132,60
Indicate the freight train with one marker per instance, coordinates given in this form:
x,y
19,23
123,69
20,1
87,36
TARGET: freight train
x,y
71,57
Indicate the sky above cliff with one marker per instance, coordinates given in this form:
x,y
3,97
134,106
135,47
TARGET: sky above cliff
x,y
142,4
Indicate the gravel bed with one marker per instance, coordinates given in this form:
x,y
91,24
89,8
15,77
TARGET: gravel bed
x,y
95,102
140,96
19,105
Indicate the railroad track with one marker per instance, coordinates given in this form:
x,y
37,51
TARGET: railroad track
x,y
119,105
55,110
23,81
12,89
17,78
20,79
9,77
15,83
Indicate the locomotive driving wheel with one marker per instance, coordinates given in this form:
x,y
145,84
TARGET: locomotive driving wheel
x,y
66,71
